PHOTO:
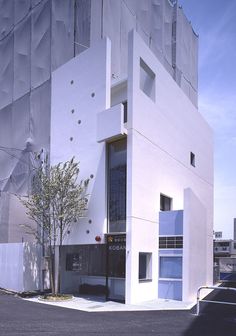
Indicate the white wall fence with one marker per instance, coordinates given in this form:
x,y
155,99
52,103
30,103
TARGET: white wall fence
x,y
20,266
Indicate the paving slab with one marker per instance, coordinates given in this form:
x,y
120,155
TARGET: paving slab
x,y
94,304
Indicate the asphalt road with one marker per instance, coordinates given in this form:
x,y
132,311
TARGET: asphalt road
x,y
19,317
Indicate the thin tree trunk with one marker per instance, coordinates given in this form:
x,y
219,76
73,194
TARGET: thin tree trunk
x,y
51,270
59,270
59,259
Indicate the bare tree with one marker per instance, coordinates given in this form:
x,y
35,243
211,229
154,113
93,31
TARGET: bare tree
x,y
57,201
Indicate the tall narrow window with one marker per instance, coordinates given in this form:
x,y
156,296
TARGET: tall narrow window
x,y
165,203
125,104
192,159
147,80
117,152
145,269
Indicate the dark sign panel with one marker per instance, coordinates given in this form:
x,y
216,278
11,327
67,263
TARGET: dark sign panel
x,y
116,247
112,239
75,262
87,260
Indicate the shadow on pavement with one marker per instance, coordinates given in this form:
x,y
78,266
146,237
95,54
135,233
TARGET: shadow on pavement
x,y
215,319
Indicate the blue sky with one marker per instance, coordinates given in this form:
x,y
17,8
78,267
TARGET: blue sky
x,y
215,22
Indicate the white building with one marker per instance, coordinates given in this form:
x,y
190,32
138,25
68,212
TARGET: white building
x,y
126,108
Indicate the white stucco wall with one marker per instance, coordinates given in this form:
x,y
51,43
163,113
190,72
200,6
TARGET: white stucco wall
x,y
195,261
20,266
87,96
161,135
11,265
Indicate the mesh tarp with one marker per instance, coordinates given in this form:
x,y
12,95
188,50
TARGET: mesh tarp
x,y
38,36
40,107
163,27
22,43
62,31
82,25
6,71
41,44
6,17
22,8
186,56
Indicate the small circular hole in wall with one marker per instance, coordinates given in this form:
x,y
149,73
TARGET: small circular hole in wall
x,y
79,121
92,94
72,111
72,82
68,232
71,138
91,176
87,231
90,221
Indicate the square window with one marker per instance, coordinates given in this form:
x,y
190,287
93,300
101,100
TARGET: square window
x,y
192,159
145,268
147,80
165,203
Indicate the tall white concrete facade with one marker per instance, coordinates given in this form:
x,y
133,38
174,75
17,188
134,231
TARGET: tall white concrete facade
x,y
163,128
122,99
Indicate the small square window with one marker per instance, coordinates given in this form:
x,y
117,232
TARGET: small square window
x,y
147,80
165,203
145,267
192,159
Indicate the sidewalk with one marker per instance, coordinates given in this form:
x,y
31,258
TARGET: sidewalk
x,y
95,304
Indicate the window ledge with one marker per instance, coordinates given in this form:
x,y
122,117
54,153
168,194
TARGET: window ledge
x,y
145,280
170,279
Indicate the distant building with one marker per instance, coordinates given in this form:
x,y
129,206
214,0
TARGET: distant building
x,y
113,83
225,258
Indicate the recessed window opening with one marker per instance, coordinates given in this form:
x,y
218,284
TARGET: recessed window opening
x,y
192,159
117,162
145,266
125,105
165,203
147,80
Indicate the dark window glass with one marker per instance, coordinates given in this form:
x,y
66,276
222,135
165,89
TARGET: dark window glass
x,y
145,266
97,260
192,159
117,152
162,242
142,266
116,245
116,261
165,203
125,110
224,244
87,260
170,242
